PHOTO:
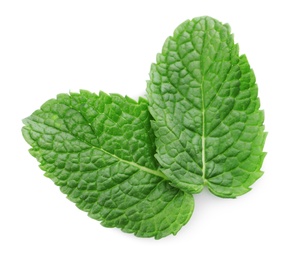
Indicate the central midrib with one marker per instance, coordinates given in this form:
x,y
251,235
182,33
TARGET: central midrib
x,y
203,110
203,132
142,168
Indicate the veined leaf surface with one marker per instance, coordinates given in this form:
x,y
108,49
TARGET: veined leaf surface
x,y
204,100
100,151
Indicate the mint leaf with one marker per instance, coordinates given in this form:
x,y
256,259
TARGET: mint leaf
x,y
100,151
204,101
136,170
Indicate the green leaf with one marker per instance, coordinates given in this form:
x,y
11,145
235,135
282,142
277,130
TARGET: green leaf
x,y
204,101
136,171
100,151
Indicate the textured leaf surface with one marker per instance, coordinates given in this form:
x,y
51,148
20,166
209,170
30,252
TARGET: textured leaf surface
x,y
99,150
204,101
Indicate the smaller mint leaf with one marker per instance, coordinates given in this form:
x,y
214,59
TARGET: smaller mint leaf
x,y
99,149
204,100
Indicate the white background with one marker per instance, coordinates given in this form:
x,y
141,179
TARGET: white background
x,y
51,47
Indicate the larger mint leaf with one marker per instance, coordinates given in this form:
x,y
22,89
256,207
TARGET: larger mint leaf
x,y
205,105
100,151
